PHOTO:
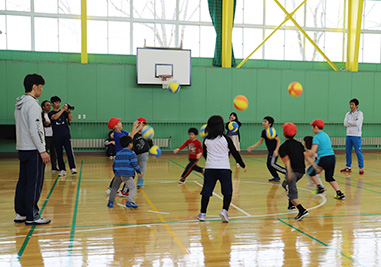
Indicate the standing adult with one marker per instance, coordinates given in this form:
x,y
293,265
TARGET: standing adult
x,y
48,131
61,134
353,121
30,144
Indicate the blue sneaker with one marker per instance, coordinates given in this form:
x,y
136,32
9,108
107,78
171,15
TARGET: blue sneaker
x,y
275,179
110,204
131,204
140,183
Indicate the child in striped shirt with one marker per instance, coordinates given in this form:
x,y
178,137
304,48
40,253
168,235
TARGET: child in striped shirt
x,y
124,166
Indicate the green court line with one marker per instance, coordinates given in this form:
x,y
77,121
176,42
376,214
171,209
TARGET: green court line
x,y
73,224
320,242
29,235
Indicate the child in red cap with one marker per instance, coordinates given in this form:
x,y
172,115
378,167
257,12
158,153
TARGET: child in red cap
x,y
292,153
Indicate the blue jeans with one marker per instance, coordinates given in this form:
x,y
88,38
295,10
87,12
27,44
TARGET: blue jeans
x,y
350,142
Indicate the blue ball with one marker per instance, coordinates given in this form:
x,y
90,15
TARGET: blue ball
x,y
155,151
271,133
233,126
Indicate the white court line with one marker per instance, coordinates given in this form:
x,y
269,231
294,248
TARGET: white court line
x,y
241,210
161,212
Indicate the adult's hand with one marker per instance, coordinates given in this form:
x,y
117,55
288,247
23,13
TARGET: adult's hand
x,y
45,157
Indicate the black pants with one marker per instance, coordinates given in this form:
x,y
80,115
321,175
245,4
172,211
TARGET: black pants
x,y
52,151
272,166
192,165
59,143
29,185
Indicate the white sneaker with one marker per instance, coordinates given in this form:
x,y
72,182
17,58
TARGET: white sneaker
x,y
62,173
224,215
19,218
108,191
237,165
201,217
74,171
55,171
39,221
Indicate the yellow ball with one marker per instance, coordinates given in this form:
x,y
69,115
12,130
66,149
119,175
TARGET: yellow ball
x,y
271,133
240,102
233,126
155,151
148,132
295,89
174,87
202,131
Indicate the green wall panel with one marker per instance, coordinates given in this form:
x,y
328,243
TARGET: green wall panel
x,y
363,89
376,101
268,95
82,90
3,92
339,94
110,92
316,90
56,82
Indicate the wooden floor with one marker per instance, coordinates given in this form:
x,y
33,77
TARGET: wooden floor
x,y
164,230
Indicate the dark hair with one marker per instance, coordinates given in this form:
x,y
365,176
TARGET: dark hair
x,y
32,79
308,141
193,130
125,141
269,119
235,115
215,127
43,102
55,99
109,134
355,101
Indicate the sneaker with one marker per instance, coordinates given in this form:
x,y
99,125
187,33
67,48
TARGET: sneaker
x,y
320,190
237,165
62,173
224,215
140,184
311,184
301,215
74,171
182,181
110,204
346,169
275,179
131,204
339,196
361,171
55,171
201,217
19,218
122,194
291,207
108,191
37,222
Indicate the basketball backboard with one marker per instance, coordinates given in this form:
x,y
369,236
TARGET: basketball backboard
x,y
153,63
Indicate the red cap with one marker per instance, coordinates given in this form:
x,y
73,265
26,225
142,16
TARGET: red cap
x,y
112,122
289,129
318,122
141,119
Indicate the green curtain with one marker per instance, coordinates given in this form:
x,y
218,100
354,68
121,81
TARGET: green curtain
x,y
215,11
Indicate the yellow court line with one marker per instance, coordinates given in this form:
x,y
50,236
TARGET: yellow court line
x,y
169,229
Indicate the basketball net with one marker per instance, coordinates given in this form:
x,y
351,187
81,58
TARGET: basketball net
x,y
165,80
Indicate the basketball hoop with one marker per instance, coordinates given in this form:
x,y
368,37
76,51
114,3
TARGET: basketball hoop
x,y
165,80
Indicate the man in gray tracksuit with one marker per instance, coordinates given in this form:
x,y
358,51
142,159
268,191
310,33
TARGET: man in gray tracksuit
x,y
30,143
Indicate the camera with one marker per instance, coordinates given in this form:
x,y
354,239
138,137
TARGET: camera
x,y
69,106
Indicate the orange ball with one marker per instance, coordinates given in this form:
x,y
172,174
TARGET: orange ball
x,y
295,89
240,102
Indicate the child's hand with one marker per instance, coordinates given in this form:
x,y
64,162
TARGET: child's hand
x,y
250,148
141,174
176,150
275,154
113,142
244,170
198,156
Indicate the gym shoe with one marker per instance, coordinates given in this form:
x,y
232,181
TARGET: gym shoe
x,y
275,179
140,184
237,165
301,215
122,194
291,207
62,173
110,204
74,171
201,217
320,190
19,218
55,171
311,184
182,181
37,222
346,169
361,171
224,215
108,191
339,196
131,204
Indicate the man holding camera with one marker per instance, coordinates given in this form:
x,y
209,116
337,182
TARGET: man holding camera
x,y
60,119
